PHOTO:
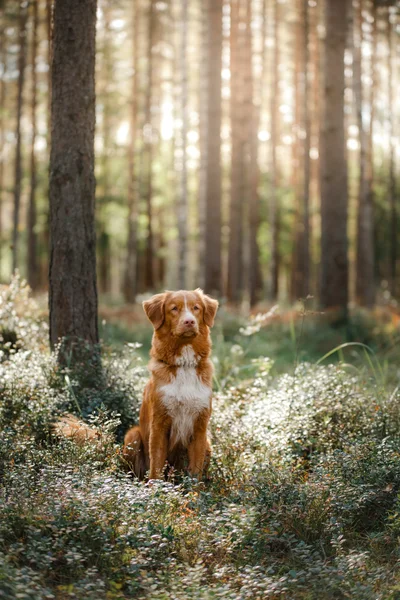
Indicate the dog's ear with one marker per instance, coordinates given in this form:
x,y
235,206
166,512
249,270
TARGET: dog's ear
x,y
154,309
210,308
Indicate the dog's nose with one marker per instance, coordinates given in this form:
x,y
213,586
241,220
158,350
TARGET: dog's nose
x,y
189,322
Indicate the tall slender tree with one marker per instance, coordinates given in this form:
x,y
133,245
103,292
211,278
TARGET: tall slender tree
x,y
103,239
44,236
274,209
334,196
22,21
301,247
392,165
365,293
148,151
183,192
32,262
130,287
3,61
239,166
212,148
49,31
73,290
255,278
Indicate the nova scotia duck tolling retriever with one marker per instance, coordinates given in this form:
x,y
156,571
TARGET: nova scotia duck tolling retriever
x,y
176,407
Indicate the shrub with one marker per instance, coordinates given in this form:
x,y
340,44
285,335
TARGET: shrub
x,y
302,501
21,324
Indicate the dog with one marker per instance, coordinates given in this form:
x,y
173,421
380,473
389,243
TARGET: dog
x,y
177,400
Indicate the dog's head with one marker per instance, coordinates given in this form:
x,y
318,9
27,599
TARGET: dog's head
x,y
182,314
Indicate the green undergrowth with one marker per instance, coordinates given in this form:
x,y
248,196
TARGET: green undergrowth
x,y
302,500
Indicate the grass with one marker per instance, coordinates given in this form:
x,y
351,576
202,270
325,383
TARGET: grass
x,y
303,496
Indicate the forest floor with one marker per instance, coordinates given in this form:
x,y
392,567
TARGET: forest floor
x,y
302,500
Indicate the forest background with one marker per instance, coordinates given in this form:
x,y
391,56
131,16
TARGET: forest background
x,y
248,147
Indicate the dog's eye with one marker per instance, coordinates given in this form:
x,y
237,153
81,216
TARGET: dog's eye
x,y
196,308
174,309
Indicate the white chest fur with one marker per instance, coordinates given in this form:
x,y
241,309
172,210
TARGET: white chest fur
x,y
185,396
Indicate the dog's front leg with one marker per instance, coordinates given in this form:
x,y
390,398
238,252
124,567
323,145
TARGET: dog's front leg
x,y
197,451
158,450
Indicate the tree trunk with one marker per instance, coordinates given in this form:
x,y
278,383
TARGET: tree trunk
x,y
73,291
32,263
148,150
203,143
213,259
183,193
315,94
130,267
103,244
274,212
49,29
370,168
334,197
365,293
392,175
301,249
3,60
45,235
255,279
22,19
238,158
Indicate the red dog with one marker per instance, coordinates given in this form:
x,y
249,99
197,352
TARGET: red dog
x,y
176,405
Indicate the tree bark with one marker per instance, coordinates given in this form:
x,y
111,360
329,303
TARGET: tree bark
x,y
255,279
131,258
3,60
334,196
203,144
22,20
32,263
73,291
238,119
213,259
148,150
274,212
301,248
392,167
103,241
365,293
44,237
183,193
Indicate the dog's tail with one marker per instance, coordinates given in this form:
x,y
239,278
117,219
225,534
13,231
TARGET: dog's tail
x,y
69,426
134,453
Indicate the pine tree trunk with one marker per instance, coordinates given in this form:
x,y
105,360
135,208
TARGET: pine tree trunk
x,y
44,239
73,292
274,212
32,263
370,169
148,151
235,252
255,280
301,248
130,267
183,193
3,60
203,143
365,293
103,244
213,258
392,176
314,220
334,196
49,29
22,20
